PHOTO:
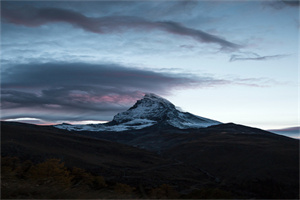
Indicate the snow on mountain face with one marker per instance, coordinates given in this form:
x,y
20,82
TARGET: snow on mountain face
x,y
150,107
130,125
150,110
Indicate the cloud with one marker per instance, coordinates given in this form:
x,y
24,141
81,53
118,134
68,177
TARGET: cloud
x,y
68,91
80,91
256,57
27,120
81,75
289,129
34,17
293,132
283,4
293,3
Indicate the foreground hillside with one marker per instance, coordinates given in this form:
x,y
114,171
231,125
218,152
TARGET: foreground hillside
x,y
215,162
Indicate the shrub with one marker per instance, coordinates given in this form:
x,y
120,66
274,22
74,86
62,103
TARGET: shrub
x,y
12,166
9,164
23,169
49,172
165,191
48,180
81,177
98,183
84,179
121,188
209,193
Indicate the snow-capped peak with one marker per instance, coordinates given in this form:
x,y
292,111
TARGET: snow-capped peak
x,y
156,98
151,109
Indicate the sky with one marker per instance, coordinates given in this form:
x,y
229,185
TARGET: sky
x,y
85,61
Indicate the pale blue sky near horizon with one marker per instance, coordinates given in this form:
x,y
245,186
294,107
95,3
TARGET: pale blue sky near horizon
x,y
232,61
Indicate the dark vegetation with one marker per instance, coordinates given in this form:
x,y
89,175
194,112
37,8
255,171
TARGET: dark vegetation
x,y
217,162
52,180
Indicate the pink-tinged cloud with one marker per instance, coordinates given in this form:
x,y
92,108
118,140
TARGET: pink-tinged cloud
x,y
293,132
87,92
81,91
289,129
114,98
34,17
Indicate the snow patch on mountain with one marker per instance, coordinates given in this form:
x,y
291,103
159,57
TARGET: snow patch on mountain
x,y
130,125
150,110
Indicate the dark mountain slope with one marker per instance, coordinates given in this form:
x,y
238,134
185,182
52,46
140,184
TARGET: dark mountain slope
x,y
112,160
230,154
250,159
247,161
49,142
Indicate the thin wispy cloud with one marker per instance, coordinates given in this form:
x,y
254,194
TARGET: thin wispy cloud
x,y
35,17
289,129
255,57
293,132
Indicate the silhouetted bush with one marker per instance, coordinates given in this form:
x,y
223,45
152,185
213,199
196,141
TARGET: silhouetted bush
x,y
52,180
9,165
84,179
49,172
209,193
165,191
23,169
121,188
81,177
98,183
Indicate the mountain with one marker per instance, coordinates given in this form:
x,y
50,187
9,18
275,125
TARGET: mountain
x,y
149,111
153,144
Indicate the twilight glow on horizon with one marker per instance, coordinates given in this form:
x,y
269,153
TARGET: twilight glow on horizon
x,y
85,61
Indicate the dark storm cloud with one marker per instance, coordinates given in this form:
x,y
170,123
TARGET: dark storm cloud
x,y
283,4
65,90
255,57
83,74
34,17
295,3
81,91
